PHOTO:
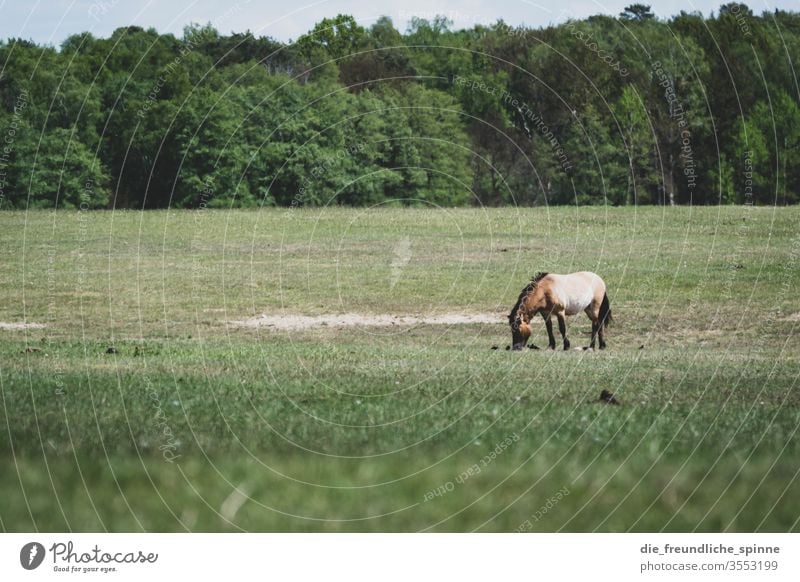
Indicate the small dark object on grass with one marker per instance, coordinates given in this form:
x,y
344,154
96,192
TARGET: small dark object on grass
x,y
508,348
494,347
111,350
608,397
641,347
533,347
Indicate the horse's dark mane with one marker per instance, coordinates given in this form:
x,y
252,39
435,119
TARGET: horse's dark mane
x,y
525,292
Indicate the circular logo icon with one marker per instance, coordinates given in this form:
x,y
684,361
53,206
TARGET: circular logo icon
x,y
31,555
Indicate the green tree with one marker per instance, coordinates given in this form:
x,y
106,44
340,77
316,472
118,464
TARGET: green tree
x,y
639,143
637,12
588,111
753,174
56,171
598,169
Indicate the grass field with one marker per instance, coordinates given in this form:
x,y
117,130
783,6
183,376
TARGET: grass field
x,y
197,423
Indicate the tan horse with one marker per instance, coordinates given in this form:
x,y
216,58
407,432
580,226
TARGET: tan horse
x,y
549,294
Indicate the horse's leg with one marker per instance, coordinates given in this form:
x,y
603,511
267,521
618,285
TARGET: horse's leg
x,y
595,329
601,331
562,327
548,323
595,324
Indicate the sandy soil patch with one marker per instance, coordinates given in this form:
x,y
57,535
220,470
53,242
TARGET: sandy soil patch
x,y
291,321
17,326
793,317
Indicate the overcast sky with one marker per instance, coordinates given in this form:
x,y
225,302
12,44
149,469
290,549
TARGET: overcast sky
x,y
51,21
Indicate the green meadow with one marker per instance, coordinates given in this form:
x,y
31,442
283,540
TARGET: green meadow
x,y
142,393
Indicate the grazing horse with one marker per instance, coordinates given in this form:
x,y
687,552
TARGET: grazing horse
x,y
549,294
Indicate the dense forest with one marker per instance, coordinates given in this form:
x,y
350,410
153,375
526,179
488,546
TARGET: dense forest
x,y
622,111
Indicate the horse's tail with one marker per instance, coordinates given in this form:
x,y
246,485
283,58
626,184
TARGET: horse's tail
x,y
605,311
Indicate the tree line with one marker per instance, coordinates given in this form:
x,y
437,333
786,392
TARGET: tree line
x,y
622,111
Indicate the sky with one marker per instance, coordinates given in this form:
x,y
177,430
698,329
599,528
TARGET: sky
x,y
51,21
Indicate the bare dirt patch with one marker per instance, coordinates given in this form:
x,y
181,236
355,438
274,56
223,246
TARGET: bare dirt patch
x,y
291,321
18,326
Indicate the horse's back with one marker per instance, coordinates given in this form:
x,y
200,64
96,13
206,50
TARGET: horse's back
x,y
576,291
592,279
580,278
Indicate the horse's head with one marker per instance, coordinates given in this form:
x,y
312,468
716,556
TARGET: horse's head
x,y
520,316
520,331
